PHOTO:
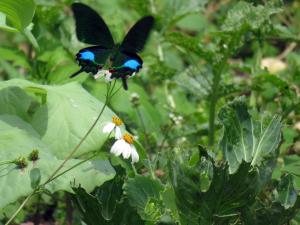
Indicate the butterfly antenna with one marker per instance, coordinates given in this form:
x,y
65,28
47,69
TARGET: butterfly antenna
x,y
124,82
76,73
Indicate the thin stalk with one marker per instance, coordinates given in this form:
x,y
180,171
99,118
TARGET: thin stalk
x,y
215,91
212,108
143,127
146,142
6,162
20,208
72,167
165,135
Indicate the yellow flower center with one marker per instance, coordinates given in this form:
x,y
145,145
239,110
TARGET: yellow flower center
x,y
117,121
128,138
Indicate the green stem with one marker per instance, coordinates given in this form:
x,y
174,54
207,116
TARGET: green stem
x,y
72,167
215,89
20,208
212,108
146,142
6,162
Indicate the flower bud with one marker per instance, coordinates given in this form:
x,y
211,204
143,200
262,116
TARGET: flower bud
x,y
34,155
135,99
21,162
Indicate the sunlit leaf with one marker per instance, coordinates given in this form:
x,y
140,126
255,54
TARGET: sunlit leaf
x,y
18,139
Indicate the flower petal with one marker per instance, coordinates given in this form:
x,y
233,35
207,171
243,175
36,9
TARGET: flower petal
x,y
126,151
134,155
108,76
118,134
108,127
118,147
99,74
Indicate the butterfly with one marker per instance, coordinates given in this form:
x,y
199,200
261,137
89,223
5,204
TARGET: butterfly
x,y
123,58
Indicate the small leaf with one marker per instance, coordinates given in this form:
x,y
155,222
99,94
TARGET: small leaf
x,y
287,194
35,177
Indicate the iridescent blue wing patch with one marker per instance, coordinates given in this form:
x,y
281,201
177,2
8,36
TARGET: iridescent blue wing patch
x,y
92,59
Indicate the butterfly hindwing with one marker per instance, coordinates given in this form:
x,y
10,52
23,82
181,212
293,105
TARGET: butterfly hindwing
x,y
137,36
96,54
125,65
90,27
92,59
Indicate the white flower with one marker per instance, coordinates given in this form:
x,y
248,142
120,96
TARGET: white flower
x,y
114,125
125,147
104,73
108,76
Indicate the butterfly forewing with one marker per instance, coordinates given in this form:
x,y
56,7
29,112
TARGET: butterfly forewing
x,y
90,27
137,36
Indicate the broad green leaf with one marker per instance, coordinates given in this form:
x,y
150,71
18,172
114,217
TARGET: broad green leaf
x,y
18,12
68,114
57,120
18,139
287,195
244,14
247,138
144,195
15,101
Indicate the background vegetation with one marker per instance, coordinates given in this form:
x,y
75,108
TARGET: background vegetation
x,y
215,108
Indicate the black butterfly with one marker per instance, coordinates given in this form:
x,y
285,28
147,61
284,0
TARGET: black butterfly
x,y
124,60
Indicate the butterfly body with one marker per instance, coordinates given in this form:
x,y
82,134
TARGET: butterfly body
x,y
121,60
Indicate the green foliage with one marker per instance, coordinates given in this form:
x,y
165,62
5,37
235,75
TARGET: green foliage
x,y
245,14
